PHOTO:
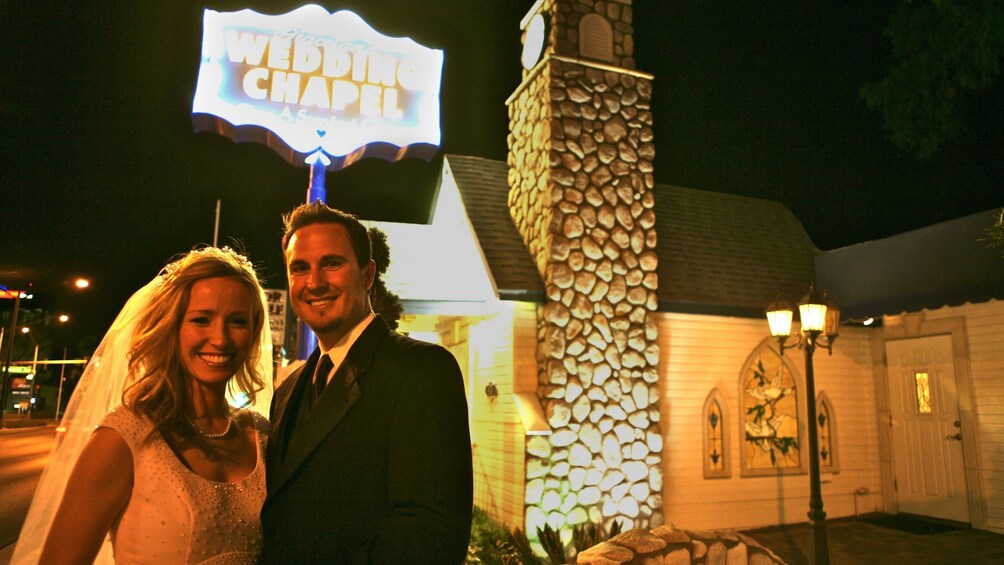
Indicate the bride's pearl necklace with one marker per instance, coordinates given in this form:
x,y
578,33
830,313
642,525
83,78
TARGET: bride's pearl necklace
x,y
230,424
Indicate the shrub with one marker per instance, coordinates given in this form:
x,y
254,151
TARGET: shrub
x,y
493,544
550,540
524,551
588,535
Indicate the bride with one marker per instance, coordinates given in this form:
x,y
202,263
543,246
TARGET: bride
x,y
155,460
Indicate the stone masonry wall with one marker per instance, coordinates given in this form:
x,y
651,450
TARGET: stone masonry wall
x,y
530,196
581,196
666,545
565,28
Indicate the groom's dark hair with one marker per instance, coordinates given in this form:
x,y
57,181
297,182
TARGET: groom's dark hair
x,y
318,212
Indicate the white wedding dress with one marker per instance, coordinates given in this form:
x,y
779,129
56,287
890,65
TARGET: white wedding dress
x,y
176,516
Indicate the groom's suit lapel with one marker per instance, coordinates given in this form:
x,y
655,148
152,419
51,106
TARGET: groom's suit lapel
x,y
284,409
331,408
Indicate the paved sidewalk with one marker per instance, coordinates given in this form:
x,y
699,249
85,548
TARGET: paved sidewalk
x,y
857,541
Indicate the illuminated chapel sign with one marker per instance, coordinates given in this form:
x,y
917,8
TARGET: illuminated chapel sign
x,y
326,85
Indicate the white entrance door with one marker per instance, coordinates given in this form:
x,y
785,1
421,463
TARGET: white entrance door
x,y
926,431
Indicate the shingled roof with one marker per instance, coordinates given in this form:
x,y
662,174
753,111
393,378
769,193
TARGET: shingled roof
x,y
718,253
727,254
484,188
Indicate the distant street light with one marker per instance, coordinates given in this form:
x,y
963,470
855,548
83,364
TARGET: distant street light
x,y
819,316
62,319
17,295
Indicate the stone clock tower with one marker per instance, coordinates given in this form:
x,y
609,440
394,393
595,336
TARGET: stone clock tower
x,y
581,196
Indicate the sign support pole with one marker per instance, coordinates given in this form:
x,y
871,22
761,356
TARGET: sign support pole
x,y
316,190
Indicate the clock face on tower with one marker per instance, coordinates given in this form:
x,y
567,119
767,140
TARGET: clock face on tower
x,y
533,41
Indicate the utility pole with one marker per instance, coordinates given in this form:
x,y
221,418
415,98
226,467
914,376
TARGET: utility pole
x,y
216,225
59,395
31,385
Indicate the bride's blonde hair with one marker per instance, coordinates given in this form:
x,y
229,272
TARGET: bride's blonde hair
x,y
156,387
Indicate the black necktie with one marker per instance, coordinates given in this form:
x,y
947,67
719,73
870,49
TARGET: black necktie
x,y
321,377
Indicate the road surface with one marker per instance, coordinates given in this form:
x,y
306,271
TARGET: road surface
x,y
23,454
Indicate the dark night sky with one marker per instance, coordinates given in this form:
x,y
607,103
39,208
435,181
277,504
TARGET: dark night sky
x,y
104,177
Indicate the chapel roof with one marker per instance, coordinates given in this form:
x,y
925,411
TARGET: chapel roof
x,y
718,253
728,254
484,189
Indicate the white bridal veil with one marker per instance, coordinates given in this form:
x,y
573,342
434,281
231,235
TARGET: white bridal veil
x,y
98,392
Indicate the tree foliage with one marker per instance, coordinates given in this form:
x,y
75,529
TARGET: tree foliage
x,y
944,51
384,302
995,232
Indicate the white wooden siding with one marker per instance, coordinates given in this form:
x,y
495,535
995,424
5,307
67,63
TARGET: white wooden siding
x,y
699,352
500,345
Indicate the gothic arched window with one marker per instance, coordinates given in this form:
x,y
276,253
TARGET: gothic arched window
x,y
827,426
770,406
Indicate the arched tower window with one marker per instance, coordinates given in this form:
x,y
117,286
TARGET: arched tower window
x,y
717,459
596,39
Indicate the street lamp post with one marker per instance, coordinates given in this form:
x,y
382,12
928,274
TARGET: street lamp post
x,y
25,329
820,320
59,393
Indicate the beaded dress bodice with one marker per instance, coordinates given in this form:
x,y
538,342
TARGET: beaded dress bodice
x,y
176,516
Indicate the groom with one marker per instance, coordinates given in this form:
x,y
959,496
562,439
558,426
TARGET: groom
x,y
369,457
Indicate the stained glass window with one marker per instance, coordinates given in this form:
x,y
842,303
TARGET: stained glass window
x,y
716,459
923,393
770,416
826,425
716,455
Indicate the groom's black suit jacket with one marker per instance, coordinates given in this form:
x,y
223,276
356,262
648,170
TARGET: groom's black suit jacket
x,y
383,476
